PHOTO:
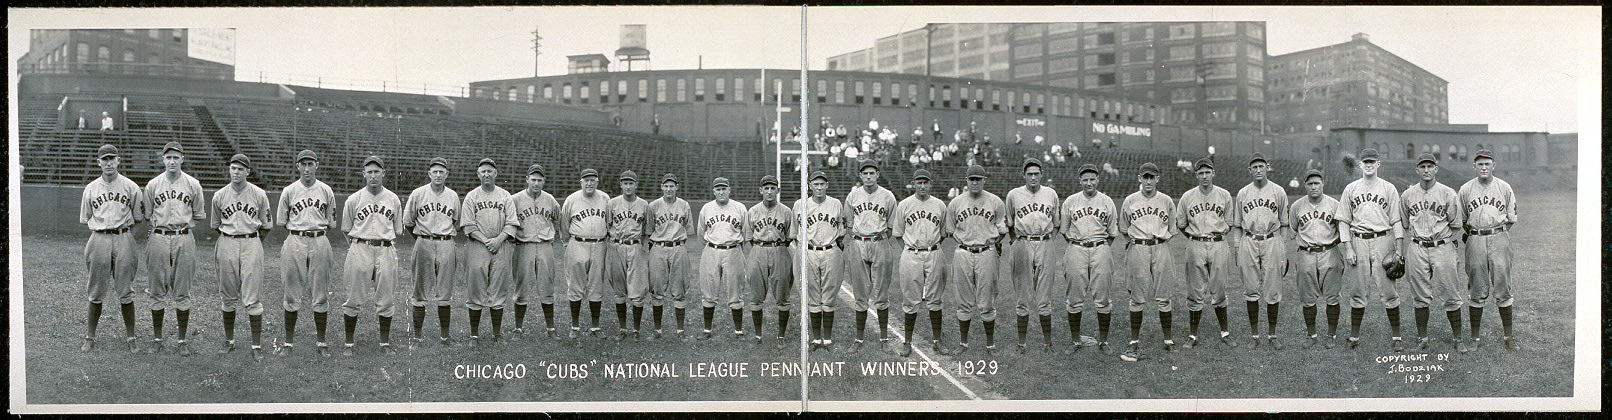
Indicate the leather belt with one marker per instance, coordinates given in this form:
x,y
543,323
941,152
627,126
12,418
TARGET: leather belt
x,y
436,237
668,244
820,248
518,241
930,248
633,241
1034,237
589,240
1369,235
728,246
874,237
1088,244
161,231
1425,243
246,236
372,242
974,248
115,231
1210,238
309,233
1152,241
1263,236
771,244
1485,232
1317,248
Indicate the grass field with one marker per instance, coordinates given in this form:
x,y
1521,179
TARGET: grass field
x,y
57,373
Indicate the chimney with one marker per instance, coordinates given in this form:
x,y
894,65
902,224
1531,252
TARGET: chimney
x,y
1361,36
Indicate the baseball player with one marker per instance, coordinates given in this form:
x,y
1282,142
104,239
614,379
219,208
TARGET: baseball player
x,y
240,214
1206,216
584,217
1371,209
371,218
1315,230
487,219
920,225
1259,223
976,220
669,225
630,252
1089,223
175,202
537,216
110,207
1433,215
307,208
431,215
769,230
722,222
870,253
1147,220
823,220
1491,210
1032,219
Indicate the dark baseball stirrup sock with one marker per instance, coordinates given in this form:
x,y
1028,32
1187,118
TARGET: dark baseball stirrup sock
x,y
156,324
1505,320
1074,326
756,320
1193,317
1164,323
1455,323
677,313
1023,327
962,331
990,333
1046,328
548,315
908,320
1220,316
934,325
349,323
884,324
229,326
655,316
621,315
183,319
709,314
576,314
1270,318
1332,319
828,325
1309,320
1393,321
1253,317
1136,325
444,319
520,316
498,321
1102,326
816,324
385,323
1421,322
92,320
417,320
1355,316
593,313
783,322
318,324
861,323
1475,316
127,311
290,326
475,322
738,318
637,317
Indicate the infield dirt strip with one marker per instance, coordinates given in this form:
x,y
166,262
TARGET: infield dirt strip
x,y
729,369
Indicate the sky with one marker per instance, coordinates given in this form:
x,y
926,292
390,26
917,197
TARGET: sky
x,y
1513,68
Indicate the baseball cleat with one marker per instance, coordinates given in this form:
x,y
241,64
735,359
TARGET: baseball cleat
x,y
1046,348
1331,341
156,346
1019,349
347,350
1254,346
1460,346
738,335
596,332
228,346
1476,344
474,342
935,345
780,342
906,349
515,335
961,348
1275,343
1075,348
1169,345
1422,344
89,344
184,349
1398,345
257,353
323,350
285,350
550,334
855,346
1104,348
1511,344
575,331
990,350
1132,354
658,334
134,346
386,348
758,340
1354,343
1192,341
1310,342
704,335
414,342
1225,338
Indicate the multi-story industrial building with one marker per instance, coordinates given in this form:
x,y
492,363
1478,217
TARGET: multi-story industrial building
x,y
1353,84
187,53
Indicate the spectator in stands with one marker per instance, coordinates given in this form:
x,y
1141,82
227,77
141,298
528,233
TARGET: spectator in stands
x,y
654,123
81,119
935,128
106,121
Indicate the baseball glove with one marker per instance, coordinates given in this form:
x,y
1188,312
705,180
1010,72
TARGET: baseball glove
x,y
1394,267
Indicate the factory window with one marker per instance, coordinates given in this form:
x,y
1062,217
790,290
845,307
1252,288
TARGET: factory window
x,y
931,96
858,87
1105,59
1140,55
1040,103
660,91
1024,101
760,90
1141,34
548,91
1219,28
1063,45
1435,150
604,91
979,98
1105,38
583,92
498,95
1180,53
895,94
794,90
1027,51
878,92
822,91
699,89
839,91
682,90
565,93
1219,49
1256,31
154,34
945,96
621,91
643,90
1182,31
1183,95
996,100
531,93
1105,79
738,89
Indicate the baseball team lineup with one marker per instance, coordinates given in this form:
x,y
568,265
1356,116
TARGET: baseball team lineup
x,y
1374,242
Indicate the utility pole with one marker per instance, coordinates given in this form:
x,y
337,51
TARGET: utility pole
x,y
537,44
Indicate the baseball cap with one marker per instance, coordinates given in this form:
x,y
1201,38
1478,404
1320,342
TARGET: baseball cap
x,y
1150,168
1483,153
1203,163
628,176
670,177
174,146
1369,154
769,179
109,150
590,172
1257,158
719,182
868,163
307,155
535,169
976,171
1031,162
818,174
1313,173
238,158
437,161
487,161
1088,168
375,160
920,174
1426,157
